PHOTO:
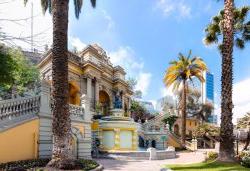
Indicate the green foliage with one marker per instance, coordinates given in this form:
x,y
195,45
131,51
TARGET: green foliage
x,y
212,155
245,161
241,28
170,120
39,163
208,166
16,72
185,68
132,83
138,111
196,108
206,129
244,122
47,5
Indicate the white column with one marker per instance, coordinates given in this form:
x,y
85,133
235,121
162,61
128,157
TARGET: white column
x,y
97,91
85,103
89,81
45,99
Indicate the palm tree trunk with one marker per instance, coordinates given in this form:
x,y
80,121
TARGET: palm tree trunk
x,y
226,152
61,124
183,116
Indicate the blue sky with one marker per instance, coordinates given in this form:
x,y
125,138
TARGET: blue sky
x,y
152,33
143,36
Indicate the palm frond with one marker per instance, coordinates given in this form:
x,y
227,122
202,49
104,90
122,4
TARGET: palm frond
x,y
78,7
93,3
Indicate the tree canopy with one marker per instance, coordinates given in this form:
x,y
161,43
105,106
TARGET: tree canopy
x,y
16,71
241,28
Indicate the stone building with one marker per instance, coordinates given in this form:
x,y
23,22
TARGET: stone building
x,y
94,83
92,74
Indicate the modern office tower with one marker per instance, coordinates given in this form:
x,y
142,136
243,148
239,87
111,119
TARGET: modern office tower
x,y
208,88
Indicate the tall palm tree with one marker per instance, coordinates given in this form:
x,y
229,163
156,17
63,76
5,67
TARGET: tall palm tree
x,y
231,24
61,124
179,73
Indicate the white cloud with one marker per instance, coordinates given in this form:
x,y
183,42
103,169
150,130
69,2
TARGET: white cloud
x,y
109,19
21,27
125,57
241,98
174,8
154,103
76,42
166,91
143,82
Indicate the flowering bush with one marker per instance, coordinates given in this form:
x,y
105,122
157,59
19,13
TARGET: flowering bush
x,y
244,158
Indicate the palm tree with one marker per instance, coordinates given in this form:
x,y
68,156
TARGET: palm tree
x,y
179,73
241,28
231,24
61,124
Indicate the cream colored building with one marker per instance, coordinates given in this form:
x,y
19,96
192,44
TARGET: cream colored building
x,y
92,74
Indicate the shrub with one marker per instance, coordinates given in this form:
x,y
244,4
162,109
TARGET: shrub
x,y
38,163
245,161
244,158
212,155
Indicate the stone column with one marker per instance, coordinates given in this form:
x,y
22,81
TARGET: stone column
x,y
135,140
45,99
85,103
97,91
89,81
117,138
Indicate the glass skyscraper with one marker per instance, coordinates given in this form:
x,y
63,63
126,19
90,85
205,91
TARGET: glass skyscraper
x,y
208,87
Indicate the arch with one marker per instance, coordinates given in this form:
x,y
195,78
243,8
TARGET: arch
x,y
153,143
104,100
141,142
176,129
74,93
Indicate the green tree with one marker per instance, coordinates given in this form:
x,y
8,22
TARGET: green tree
x,y
195,108
170,120
16,72
61,125
132,83
207,129
244,123
179,73
138,111
230,23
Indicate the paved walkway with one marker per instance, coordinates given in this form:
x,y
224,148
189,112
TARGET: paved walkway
x,y
153,165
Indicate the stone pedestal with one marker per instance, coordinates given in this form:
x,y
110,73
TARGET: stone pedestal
x,y
153,155
117,112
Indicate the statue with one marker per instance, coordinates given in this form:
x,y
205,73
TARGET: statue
x,y
118,100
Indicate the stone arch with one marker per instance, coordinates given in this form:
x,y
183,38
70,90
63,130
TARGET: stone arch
x,y
104,100
74,93
153,143
76,136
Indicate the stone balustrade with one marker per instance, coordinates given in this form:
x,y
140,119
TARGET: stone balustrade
x,y
76,111
31,105
20,106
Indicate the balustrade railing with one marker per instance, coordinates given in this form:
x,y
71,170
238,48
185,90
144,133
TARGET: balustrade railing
x,y
20,106
76,111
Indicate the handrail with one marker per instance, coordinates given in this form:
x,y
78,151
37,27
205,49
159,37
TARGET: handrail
x,y
76,111
19,106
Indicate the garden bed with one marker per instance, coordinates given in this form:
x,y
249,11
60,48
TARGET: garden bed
x,y
39,164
